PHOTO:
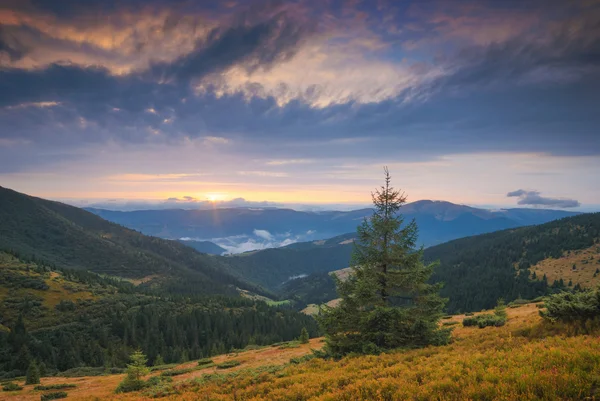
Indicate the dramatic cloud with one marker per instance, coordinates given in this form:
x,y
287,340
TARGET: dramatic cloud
x,y
533,198
272,92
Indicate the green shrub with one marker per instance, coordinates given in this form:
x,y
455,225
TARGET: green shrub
x,y
290,344
447,317
568,307
162,367
302,359
159,386
229,364
176,372
204,362
55,386
129,385
156,380
469,314
53,396
11,387
452,323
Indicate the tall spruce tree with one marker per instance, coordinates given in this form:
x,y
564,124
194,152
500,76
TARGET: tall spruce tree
x,y
386,302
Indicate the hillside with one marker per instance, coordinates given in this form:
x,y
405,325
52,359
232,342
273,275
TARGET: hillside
x,y
272,268
66,319
478,270
522,360
438,221
71,237
204,247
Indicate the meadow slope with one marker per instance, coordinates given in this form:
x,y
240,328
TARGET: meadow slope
x,y
524,360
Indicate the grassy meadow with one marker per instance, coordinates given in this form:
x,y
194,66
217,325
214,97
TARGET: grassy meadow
x,y
524,360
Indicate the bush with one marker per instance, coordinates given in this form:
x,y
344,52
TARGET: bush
x,y
158,386
485,320
469,314
205,361
290,344
129,385
570,307
497,319
54,396
156,380
452,323
229,364
302,359
11,387
176,372
55,386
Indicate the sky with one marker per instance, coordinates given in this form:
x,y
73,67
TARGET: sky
x,y
156,103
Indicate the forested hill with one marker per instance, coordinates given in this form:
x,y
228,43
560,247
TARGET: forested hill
x,y
71,237
72,319
273,267
478,270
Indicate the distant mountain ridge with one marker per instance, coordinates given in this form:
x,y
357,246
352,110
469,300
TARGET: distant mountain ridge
x,y
438,221
64,235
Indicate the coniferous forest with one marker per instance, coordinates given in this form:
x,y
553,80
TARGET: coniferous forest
x,y
99,321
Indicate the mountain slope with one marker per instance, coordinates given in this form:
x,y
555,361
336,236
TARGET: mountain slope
x,y
68,319
74,238
204,247
273,267
438,221
477,271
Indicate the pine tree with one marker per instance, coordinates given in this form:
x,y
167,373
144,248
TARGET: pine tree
x,y
386,301
136,370
33,374
304,337
158,360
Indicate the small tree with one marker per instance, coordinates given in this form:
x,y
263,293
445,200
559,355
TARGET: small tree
x,y
136,370
158,360
33,374
304,337
386,302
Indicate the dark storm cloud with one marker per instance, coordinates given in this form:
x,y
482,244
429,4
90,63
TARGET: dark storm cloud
x,y
526,95
533,198
11,45
256,45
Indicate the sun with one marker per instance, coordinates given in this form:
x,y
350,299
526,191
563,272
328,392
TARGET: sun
x,y
214,197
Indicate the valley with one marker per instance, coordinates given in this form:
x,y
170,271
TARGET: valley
x,y
79,293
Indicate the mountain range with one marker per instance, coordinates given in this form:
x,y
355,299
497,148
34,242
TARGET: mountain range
x,y
243,229
70,237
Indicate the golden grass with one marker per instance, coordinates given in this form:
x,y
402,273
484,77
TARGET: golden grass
x,y
103,387
494,363
586,261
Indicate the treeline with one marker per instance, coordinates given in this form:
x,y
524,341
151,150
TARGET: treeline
x,y
102,332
